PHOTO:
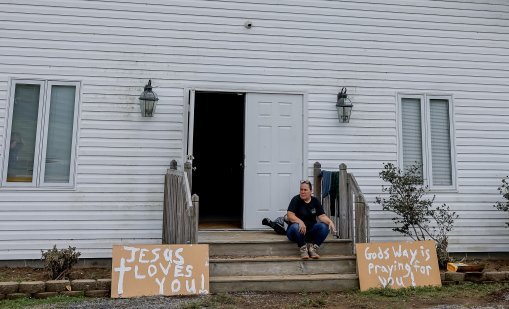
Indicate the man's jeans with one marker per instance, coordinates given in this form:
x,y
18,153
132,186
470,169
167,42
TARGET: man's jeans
x,y
316,235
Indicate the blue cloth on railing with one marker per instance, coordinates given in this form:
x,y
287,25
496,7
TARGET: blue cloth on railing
x,y
326,182
330,186
330,183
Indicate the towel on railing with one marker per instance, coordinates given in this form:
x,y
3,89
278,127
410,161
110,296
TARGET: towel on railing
x,y
330,186
326,182
330,183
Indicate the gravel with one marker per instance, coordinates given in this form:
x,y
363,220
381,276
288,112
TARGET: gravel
x,y
155,302
469,307
240,300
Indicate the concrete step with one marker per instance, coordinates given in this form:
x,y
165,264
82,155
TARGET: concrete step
x,y
284,283
281,265
263,243
264,261
281,248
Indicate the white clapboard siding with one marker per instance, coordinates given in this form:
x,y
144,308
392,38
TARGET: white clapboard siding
x,y
375,48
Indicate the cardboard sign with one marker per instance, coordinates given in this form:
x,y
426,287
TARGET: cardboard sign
x,y
397,264
143,270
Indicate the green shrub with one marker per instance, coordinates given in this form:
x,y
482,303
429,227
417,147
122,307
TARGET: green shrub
x,y
414,211
504,191
60,262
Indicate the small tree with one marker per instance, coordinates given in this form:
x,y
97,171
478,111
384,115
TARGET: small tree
x,y
504,191
415,212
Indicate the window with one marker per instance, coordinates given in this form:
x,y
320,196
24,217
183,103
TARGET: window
x,y
426,138
41,134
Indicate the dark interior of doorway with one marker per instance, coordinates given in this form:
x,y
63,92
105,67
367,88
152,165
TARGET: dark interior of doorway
x,y
218,150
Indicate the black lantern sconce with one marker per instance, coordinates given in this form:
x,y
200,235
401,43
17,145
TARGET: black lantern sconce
x,y
344,106
148,100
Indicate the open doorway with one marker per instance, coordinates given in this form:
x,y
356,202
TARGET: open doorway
x,y
218,150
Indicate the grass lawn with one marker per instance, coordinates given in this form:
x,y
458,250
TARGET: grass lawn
x,y
468,294
31,302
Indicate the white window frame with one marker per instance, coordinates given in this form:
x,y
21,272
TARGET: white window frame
x,y
426,137
41,136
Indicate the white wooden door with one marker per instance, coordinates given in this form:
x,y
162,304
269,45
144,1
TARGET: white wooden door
x,y
273,155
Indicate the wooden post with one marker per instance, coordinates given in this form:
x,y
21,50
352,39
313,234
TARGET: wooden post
x,y
194,219
360,220
173,165
344,225
350,215
165,236
317,180
180,210
188,168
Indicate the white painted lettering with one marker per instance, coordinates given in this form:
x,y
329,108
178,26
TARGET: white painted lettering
x,y
180,258
175,286
189,271
413,253
136,274
399,281
408,269
152,270
142,256
133,253
390,270
368,255
370,267
122,269
178,271
202,290
155,252
168,253
165,270
383,282
397,253
192,288
405,253
390,281
383,254
161,285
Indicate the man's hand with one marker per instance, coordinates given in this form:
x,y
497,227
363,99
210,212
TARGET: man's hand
x,y
302,228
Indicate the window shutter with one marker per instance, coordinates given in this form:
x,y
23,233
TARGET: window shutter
x,y
440,143
411,131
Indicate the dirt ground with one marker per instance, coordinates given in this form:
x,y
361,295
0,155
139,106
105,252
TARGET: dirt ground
x,y
467,297
40,274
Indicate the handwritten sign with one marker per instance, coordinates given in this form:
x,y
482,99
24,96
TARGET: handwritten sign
x,y
143,270
397,264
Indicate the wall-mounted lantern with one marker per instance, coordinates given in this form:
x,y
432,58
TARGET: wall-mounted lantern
x,y
344,106
148,100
